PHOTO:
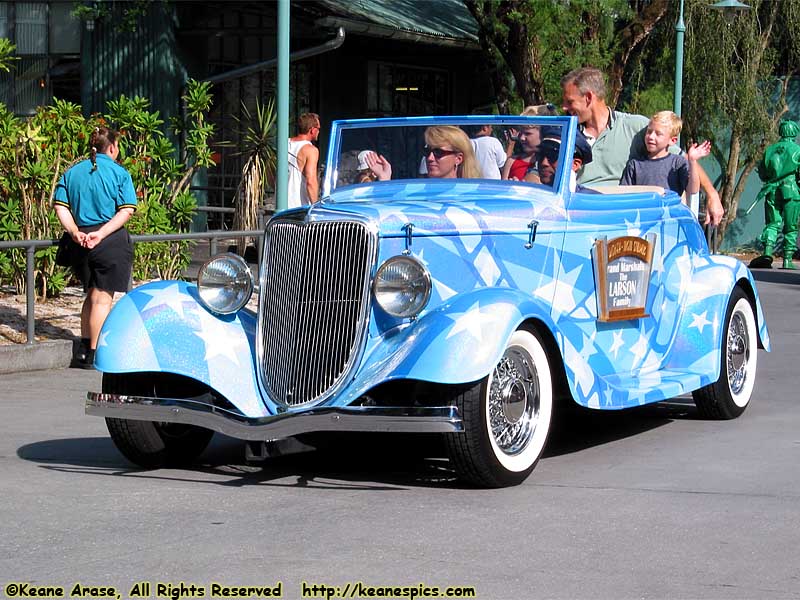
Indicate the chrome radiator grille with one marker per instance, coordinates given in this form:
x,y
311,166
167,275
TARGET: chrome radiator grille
x,y
314,301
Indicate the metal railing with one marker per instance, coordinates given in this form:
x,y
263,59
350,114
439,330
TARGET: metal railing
x,y
31,246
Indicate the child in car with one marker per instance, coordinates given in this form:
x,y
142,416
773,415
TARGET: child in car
x,y
670,171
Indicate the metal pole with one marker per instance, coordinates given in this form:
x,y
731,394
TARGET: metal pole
x,y
29,293
283,106
680,28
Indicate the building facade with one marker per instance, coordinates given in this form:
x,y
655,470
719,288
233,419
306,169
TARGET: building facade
x,y
395,59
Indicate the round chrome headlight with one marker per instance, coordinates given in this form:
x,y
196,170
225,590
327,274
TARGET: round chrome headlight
x,y
225,283
402,286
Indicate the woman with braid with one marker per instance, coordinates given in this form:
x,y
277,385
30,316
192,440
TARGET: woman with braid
x,y
93,200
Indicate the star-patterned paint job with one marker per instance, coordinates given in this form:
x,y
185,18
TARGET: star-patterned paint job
x,y
162,327
472,237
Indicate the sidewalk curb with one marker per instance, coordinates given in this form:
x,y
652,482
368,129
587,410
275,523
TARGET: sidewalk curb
x,y
53,354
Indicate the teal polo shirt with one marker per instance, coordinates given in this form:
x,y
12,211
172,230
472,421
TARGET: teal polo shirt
x,y
94,196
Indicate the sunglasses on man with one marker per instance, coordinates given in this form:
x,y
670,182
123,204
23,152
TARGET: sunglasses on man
x,y
549,153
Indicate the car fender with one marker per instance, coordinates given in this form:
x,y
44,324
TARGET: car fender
x,y
458,342
162,327
714,280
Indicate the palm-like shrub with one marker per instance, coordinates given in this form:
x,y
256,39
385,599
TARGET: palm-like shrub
x,y
258,148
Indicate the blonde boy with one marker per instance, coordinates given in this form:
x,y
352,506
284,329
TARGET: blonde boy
x,y
676,172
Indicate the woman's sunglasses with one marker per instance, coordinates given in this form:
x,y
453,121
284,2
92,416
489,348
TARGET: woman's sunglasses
x,y
438,153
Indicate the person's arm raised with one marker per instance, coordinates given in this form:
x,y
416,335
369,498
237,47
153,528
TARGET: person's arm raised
x,y
380,166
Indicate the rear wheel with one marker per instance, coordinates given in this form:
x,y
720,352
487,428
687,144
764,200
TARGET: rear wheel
x,y
506,416
151,444
730,394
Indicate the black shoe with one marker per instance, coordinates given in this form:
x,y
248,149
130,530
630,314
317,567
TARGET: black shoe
x,y
87,362
83,349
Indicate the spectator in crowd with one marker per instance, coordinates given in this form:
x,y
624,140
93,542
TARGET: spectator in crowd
x,y
93,200
523,145
671,171
489,152
303,186
364,173
614,136
547,159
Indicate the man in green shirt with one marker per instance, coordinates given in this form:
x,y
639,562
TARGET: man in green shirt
x,y
615,136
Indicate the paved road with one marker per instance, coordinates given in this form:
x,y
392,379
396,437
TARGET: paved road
x,y
647,504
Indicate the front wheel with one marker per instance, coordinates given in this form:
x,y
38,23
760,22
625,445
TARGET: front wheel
x,y
727,397
506,416
151,444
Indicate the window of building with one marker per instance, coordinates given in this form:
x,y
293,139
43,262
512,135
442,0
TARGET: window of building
x,y
401,90
47,39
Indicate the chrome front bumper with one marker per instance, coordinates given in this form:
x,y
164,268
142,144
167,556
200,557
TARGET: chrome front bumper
x,y
437,419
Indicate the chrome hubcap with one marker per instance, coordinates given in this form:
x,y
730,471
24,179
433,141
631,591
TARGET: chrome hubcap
x,y
513,401
737,353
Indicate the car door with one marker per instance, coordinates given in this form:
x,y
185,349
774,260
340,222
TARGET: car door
x,y
606,351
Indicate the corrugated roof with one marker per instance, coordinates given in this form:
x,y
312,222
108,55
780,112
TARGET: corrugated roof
x,y
443,19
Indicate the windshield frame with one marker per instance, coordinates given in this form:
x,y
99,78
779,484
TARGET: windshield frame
x,y
567,123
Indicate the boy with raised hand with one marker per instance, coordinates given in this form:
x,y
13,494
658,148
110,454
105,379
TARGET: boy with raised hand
x,y
671,171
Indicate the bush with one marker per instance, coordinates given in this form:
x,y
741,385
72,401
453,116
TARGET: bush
x,y
35,152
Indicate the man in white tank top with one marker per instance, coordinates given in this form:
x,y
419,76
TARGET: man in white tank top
x,y
303,186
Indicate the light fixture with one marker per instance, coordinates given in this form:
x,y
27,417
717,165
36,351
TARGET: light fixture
x,y
731,4
730,8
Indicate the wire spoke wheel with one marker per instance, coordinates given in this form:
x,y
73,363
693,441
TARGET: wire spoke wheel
x,y
506,416
727,397
513,401
737,353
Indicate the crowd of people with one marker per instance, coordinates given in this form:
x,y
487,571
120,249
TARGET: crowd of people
x,y
612,148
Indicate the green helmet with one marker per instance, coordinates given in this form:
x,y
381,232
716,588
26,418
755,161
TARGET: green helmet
x,y
788,129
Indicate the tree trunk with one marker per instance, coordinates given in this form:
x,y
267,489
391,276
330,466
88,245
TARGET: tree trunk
x,y
631,37
729,201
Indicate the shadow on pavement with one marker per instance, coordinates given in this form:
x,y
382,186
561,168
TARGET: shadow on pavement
x,y
346,461
581,428
782,276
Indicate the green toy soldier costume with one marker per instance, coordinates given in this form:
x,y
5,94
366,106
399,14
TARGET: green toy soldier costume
x,y
778,170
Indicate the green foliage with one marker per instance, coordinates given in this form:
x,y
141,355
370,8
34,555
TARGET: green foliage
x,y
592,24
125,18
35,152
6,54
651,100
736,77
533,43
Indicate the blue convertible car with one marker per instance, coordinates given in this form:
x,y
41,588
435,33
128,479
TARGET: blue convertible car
x,y
408,300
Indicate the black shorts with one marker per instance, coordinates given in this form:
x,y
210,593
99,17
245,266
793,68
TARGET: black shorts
x,y
108,265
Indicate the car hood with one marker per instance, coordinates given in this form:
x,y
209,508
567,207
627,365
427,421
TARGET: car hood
x,y
442,208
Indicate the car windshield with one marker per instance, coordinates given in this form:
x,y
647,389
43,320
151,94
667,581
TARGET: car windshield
x,y
514,149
